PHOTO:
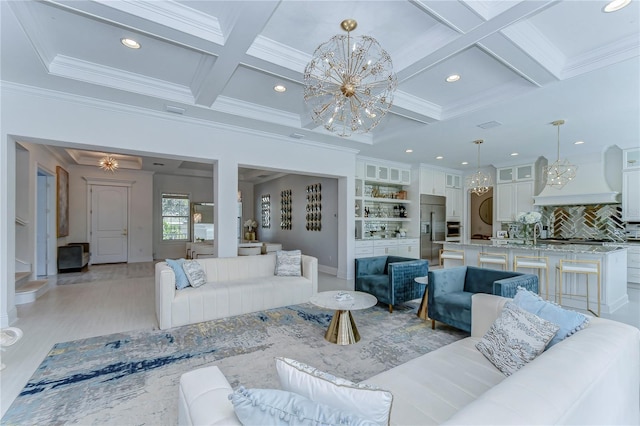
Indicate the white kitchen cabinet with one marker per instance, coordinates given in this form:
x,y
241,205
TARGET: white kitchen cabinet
x,y
513,198
371,171
385,247
364,248
520,173
453,181
405,176
454,204
409,248
633,263
360,170
432,181
631,195
631,158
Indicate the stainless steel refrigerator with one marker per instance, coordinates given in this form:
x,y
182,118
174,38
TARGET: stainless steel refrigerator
x,y
432,226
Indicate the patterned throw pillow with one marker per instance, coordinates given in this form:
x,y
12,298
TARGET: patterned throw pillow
x,y
194,272
569,322
288,263
181,278
364,400
278,407
515,338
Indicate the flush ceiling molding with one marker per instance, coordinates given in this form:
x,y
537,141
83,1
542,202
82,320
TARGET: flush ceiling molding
x,y
278,53
618,51
254,111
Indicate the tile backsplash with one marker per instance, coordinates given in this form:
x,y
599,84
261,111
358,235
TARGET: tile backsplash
x,y
593,221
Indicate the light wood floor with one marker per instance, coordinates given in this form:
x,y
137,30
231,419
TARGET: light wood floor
x,y
116,298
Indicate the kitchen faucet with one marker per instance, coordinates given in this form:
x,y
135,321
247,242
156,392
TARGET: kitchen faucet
x,y
536,227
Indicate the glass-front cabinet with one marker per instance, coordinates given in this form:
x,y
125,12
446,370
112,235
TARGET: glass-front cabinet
x,y
381,209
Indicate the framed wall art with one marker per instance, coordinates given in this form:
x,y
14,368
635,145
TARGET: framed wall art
x,y
62,202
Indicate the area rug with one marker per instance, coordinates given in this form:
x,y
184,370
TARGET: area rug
x,y
132,378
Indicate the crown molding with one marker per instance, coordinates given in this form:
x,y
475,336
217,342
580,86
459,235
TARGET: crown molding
x,y
76,69
254,111
173,15
23,90
416,104
530,40
618,51
278,53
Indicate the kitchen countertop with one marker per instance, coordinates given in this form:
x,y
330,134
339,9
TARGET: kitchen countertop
x,y
571,248
376,238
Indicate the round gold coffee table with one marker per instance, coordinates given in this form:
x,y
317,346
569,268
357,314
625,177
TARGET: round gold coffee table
x,y
342,329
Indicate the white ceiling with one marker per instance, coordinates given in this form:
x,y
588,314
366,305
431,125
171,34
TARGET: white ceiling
x,y
523,64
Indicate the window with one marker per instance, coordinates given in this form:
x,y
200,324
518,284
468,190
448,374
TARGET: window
x,y
175,217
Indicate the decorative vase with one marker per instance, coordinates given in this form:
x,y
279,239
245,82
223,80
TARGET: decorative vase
x,y
247,236
253,236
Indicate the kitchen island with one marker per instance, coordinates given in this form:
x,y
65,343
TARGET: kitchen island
x,y
613,269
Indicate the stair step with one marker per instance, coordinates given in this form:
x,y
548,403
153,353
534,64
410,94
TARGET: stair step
x,y
21,278
30,291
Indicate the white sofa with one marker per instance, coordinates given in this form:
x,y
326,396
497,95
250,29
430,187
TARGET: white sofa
x,y
235,285
592,377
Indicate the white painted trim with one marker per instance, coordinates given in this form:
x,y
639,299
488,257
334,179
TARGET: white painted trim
x,y
102,75
22,90
413,103
108,182
532,42
328,270
576,199
255,111
173,14
615,52
278,53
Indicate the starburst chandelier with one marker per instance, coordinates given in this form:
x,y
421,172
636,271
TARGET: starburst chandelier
x,y
108,164
479,183
349,83
560,172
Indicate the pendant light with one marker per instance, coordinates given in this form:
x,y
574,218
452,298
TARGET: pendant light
x,y
479,183
560,172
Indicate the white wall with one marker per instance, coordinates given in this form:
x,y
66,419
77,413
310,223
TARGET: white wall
x,y
321,244
62,119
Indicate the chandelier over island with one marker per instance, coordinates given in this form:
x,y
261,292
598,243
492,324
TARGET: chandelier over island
x,y
349,83
479,183
560,172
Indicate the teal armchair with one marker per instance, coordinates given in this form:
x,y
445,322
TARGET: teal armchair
x,y
450,291
391,278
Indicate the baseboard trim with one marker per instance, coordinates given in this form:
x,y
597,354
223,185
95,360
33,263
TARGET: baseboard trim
x,y
328,270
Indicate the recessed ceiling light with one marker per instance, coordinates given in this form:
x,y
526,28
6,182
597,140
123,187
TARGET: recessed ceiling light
x,y
130,43
452,78
578,142
514,154
279,88
408,150
615,5
439,157
464,163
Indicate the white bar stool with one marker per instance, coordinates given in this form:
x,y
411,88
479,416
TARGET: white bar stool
x,y
451,255
586,267
535,262
493,259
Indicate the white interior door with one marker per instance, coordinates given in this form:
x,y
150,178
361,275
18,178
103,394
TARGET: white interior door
x,y
109,224
42,233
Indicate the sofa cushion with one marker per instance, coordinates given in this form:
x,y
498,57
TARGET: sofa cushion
x,y
569,322
194,272
181,278
364,400
278,407
515,338
288,263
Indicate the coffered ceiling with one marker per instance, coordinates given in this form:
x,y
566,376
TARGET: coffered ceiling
x,y
522,64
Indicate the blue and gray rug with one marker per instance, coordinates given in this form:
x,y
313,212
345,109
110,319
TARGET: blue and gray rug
x,y
132,378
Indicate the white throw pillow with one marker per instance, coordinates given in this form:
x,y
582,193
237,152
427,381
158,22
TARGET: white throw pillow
x,y
288,263
515,338
195,273
363,400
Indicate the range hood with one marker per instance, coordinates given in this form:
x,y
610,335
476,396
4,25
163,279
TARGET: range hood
x,y
598,181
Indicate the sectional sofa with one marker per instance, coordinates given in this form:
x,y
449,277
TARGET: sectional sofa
x,y
591,377
234,286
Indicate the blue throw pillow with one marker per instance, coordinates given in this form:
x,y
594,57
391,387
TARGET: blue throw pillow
x,y
278,407
181,278
569,321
